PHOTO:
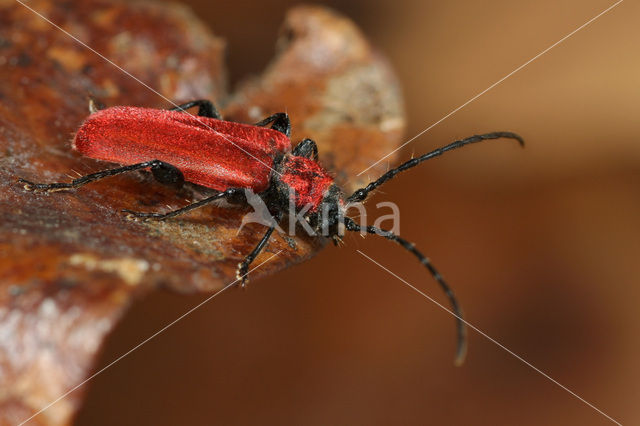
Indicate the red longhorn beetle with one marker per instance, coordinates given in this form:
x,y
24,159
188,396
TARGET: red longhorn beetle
x,y
231,157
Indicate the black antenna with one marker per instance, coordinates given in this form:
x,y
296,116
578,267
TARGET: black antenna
x,y
461,350
362,193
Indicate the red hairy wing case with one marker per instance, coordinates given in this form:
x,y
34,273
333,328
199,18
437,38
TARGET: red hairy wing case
x,y
213,153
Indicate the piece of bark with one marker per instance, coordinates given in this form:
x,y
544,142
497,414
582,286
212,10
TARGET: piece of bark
x,y
71,263
337,90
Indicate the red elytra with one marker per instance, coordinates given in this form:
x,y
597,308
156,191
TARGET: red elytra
x,y
209,152
232,157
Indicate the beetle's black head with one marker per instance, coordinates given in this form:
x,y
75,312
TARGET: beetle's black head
x,y
329,216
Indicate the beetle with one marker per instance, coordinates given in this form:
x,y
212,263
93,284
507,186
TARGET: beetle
x,y
231,157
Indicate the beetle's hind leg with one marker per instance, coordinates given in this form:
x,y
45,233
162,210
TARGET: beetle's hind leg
x,y
167,174
231,193
281,123
205,108
162,171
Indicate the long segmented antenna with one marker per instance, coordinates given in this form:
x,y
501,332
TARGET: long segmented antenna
x,y
362,193
461,350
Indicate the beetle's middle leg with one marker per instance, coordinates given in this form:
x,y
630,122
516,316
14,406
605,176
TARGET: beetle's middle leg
x,y
230,194
281,123
205,108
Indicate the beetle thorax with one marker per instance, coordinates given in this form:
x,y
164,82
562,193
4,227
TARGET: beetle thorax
x,y
306,181
303,182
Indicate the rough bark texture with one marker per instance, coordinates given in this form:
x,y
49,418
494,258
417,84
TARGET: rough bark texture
x,y
337,90
70,262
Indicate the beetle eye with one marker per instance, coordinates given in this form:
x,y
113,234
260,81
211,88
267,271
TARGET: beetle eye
x,y
359,195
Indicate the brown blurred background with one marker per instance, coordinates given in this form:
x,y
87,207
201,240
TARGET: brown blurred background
x,y
541,245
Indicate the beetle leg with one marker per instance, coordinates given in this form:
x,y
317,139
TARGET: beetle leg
x,y
95,105
167,174
280,122
205,108
306,148
81,181
243,267
229,193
